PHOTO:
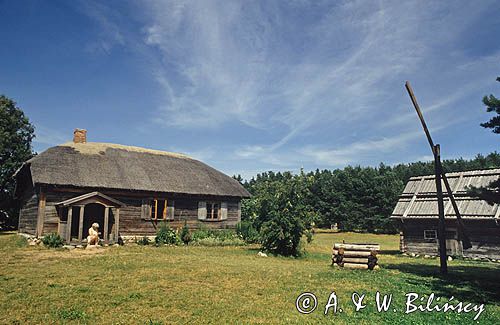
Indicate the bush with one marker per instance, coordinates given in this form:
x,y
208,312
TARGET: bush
x,y
288,216
52,240
247,232
282,236
166,235
144,241
218,237
212,241
185,234
309,236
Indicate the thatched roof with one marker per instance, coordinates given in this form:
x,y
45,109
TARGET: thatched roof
x,y
112,166
419,199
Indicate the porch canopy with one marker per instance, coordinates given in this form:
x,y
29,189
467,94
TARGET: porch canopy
x,y
89,198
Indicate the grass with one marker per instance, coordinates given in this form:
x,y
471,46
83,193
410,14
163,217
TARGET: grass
x,y
216,285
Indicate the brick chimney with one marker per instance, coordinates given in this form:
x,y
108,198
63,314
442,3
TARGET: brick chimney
x,y
80,136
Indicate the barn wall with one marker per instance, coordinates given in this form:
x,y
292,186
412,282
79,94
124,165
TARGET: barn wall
x,y
485,239
414,242
28,215
132,222
484,236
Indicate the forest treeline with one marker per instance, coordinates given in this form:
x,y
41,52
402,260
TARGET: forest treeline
x,y
355,198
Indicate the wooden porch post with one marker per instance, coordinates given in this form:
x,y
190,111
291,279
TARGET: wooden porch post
x,y
106,223
68,224
80,223
117,224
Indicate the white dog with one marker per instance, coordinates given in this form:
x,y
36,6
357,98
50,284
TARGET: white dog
x,y
93,238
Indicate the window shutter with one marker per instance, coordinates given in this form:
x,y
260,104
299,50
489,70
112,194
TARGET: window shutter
x,y
202,210
145,209
223,214
239,211
170,210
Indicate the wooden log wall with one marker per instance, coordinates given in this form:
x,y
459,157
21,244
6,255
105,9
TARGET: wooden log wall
x,y
52,218
484,235
485,239
28,215
133,222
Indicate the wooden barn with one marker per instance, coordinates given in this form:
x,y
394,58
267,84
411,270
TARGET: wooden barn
x,y
128,191
418,213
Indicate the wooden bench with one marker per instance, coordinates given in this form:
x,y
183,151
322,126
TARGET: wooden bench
x,y
356,256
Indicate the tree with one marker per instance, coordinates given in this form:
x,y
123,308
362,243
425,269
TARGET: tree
x,y
492,105
286,215
491,193
16,133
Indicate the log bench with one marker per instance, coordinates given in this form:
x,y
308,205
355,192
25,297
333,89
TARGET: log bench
x,y
355,256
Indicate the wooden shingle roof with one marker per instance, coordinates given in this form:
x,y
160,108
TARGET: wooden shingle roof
x,y
419,199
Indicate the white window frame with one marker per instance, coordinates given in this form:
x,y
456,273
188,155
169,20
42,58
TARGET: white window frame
x,y
430,237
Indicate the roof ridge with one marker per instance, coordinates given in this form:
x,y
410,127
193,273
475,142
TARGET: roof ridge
x,y
475,172
96,147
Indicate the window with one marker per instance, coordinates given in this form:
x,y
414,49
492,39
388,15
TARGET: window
x,y
162,209
213,210
430,234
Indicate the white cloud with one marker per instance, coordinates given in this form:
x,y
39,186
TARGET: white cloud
x,y
110,34
296,69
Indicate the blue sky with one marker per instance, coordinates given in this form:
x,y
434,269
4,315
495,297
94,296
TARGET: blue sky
x,y
249,86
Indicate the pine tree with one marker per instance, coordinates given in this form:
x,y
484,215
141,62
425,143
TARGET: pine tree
x,y
491,193
492,105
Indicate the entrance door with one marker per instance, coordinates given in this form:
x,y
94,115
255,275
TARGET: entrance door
x,y
94,213
453,245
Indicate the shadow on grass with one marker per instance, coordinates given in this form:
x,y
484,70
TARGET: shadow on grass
x,y
474,283
390,252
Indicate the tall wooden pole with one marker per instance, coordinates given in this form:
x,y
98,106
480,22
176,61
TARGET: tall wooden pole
x,y
441,226
462,232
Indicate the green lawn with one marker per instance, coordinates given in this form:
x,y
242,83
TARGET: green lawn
x,y
142,285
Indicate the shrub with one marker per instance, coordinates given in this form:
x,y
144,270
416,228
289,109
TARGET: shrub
x,y
247,232
52,240
166,235
288,218
144,241
213,241
185,234
201,233
219,237
309,236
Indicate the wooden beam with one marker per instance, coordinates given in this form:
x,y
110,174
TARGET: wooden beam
x,y
461,228
414,198
456,187
80,223
41,214
68,224
106,223
441,226
117,224
419,113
